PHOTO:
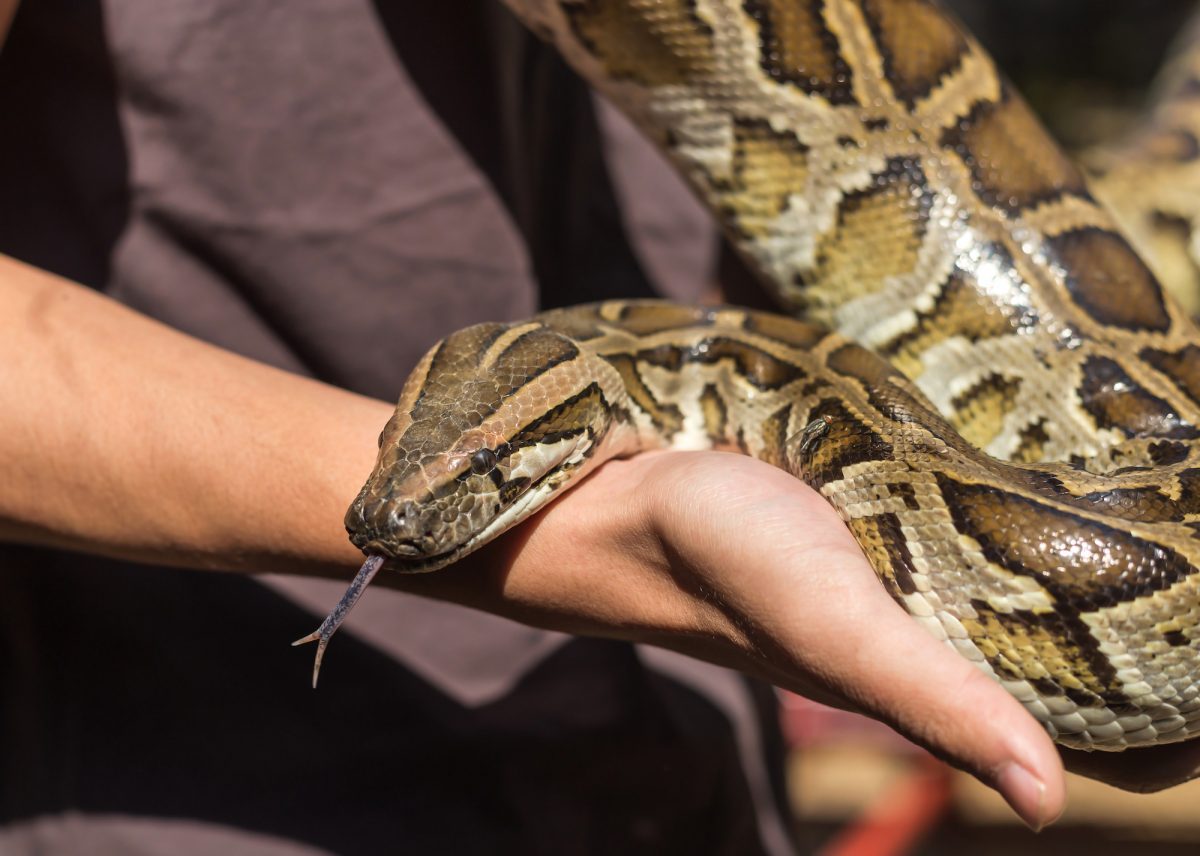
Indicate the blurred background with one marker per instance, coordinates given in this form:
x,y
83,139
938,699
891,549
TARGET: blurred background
x,y
858,789
1087,66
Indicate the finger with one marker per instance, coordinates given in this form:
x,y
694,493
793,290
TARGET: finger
x,y
814,593
938,699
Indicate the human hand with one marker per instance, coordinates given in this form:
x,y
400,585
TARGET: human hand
x,y
728,559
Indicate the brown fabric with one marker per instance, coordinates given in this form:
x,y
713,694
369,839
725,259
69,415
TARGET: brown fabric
x,y
329,187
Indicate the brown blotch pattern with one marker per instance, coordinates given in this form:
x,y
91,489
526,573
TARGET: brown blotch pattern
x,y
1013,160
857,362
891,394
1056,653
1189,492
769,167
651,42
907,493
644,319
667,417
1080,562
1143,504
979,412
879,235
757,366
775,436
918,43
797,47
886,547
959,310
716,416
1115,400
1182,367
1176,638
1108,280
1170,145
1031,447
529,356
579,322
846,441
572,417
1167,453
798,334
459,393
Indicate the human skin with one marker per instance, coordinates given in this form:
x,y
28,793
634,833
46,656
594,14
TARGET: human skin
x,y
222,463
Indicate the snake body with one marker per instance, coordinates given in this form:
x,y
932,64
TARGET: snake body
x,y
991,387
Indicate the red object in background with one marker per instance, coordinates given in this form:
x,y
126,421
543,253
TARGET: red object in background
x,y
900,817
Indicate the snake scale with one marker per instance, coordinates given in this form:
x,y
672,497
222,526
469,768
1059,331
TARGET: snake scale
x,y
987,383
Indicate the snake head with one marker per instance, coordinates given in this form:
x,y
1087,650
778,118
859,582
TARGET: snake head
x,y
492,421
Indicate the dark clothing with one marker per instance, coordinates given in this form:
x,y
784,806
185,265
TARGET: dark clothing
x,y
330,187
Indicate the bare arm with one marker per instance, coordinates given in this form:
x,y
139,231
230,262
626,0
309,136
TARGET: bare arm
x,y
121,436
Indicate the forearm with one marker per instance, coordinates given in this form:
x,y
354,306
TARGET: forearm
x,y
121,436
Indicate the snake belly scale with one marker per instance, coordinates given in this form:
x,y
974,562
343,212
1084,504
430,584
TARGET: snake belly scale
x,y
990,386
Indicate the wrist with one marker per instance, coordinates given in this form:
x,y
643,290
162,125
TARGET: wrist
x,y
592,562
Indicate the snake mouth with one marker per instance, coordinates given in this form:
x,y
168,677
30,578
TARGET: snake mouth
x,y
404,550
420,553
397,558
411,559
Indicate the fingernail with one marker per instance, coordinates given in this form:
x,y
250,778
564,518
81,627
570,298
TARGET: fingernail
x,y
1026,793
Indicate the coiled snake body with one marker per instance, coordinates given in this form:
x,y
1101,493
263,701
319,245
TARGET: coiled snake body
x,y
991,387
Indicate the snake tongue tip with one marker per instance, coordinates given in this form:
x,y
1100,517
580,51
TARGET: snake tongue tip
x,y
322,640
329,626
312,637
317,662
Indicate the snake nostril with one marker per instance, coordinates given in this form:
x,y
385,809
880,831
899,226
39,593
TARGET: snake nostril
x,y
403,519
357,517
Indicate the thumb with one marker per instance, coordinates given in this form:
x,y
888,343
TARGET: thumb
x,y
964,717
788,570
886,664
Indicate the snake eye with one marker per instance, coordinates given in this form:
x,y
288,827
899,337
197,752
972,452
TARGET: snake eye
x,y
483,462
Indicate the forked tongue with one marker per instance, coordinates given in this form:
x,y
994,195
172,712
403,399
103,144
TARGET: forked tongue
x,y
330,625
